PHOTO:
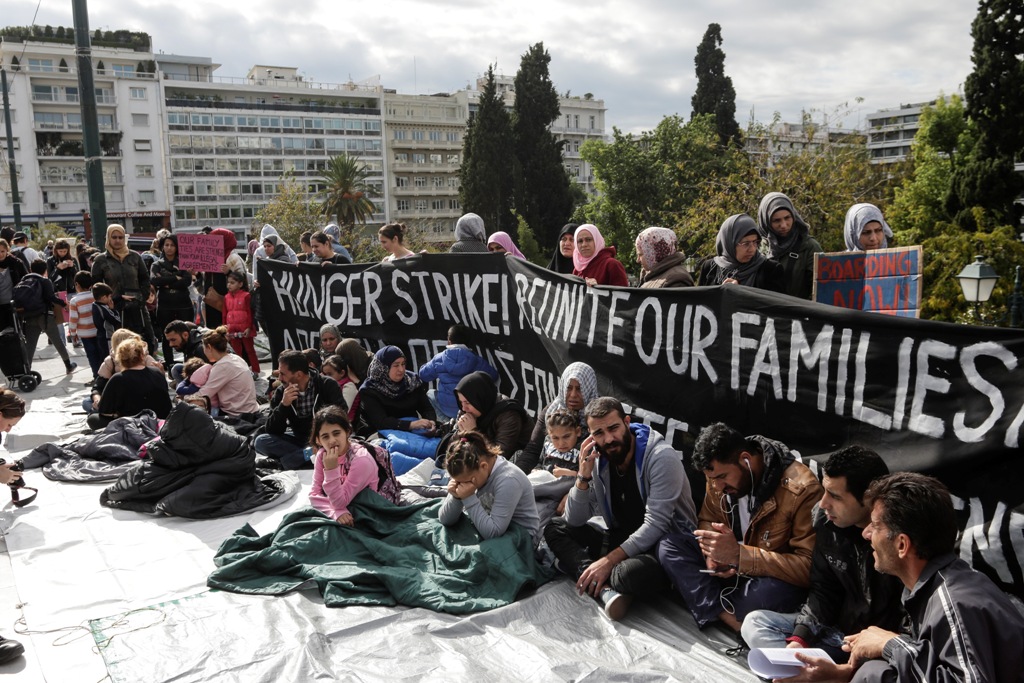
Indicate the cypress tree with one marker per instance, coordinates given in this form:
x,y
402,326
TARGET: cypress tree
x,y
486,171
715,94
994,94
542,194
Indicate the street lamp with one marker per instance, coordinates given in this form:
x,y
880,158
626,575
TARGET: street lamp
x,y
978,279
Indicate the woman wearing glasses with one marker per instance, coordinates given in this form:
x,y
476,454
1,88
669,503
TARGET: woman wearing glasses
x,y
739,262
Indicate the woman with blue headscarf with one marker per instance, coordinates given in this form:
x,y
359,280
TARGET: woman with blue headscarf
x,y
392,396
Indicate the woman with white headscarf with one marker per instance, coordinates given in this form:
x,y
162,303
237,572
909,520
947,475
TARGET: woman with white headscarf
x,y
663,265
739,262
789,242
865,229
595,262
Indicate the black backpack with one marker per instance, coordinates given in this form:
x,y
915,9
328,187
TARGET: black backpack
x,y
20,253
28,295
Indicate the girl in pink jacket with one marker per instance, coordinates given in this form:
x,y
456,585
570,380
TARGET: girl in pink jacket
x,y
341,468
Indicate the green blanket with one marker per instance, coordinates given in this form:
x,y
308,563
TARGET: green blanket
x,y
393,555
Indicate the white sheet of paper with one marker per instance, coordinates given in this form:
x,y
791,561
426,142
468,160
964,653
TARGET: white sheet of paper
x,y
780,662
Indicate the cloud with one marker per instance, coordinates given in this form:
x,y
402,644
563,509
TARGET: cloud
x,y
783,55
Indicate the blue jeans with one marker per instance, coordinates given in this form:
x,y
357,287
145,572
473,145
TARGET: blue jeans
x,y
764,628
441,415
707,596
285,448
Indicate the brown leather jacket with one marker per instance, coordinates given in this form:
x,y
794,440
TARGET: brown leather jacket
x,y
780,539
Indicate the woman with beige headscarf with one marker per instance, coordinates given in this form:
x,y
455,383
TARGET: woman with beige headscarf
x,y
126,273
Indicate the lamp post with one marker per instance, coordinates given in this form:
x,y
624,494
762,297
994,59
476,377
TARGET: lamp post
x,y
978,279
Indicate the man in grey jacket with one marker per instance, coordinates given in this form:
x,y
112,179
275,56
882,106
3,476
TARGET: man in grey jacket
x,y
635,482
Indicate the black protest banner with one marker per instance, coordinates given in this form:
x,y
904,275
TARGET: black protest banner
x,y
932,397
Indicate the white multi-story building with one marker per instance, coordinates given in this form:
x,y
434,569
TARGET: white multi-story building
x,y
183,146
230,140
46,119
891,132
782,139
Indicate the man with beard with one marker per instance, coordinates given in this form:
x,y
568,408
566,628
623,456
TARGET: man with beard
x,y
187,338
755,539
847,595
634,480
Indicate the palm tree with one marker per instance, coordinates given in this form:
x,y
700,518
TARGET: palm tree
x,y
346,195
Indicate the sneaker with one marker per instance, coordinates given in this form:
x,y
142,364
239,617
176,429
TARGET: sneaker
x,y
615,603
70,367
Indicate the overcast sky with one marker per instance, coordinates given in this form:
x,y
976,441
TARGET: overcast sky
x,y
783,55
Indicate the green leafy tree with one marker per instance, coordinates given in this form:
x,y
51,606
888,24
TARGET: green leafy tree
x,y
346,194
485,176
715,94
542,195
653,178
995,106
527,242
291,212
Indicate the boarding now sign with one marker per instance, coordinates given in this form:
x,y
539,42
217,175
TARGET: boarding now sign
x,y
881,281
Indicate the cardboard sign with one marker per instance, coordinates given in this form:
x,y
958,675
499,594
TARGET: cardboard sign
x,y
883,281
200,252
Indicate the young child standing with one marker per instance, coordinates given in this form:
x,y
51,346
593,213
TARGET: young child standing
x,y
238,317
81,327
104,317
341,467
488,488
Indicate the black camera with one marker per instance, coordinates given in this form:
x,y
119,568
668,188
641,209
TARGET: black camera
x,y
18,484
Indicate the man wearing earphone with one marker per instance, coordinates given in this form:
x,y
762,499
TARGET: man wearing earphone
x,y
752,549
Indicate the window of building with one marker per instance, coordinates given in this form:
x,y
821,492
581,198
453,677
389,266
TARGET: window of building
x,y
401,181
454,204
399,135
452,136
40,65
147,196
419,158
105,96
435,136
45,119
576,120
437,204
453,181
576,145
593,122
438,181
70,93
105,121
435,158
140,120
420,205
453,158
146,171
137,93
402,205
143,145
44,93
124,70
419,181
417,135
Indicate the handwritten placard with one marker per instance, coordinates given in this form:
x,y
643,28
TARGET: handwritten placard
x,y
200,252
884,280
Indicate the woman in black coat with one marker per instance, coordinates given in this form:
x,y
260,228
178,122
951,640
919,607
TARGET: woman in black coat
x,y
173,301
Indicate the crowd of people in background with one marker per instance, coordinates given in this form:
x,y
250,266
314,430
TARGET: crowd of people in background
x,y
860,564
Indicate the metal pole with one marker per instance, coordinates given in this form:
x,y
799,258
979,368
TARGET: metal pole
x,y
90,126
16,203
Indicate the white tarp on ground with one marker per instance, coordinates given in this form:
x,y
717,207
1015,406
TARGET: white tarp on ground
x,y
75,561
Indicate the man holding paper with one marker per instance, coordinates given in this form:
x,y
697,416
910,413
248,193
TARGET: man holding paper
x,y
846,595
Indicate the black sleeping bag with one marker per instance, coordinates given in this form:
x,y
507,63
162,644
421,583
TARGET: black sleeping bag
x,y
197,469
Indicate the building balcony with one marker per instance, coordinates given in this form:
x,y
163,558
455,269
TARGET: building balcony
x,y
412,167
443,145
425,191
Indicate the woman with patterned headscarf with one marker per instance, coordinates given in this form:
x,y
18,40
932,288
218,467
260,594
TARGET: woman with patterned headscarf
x,y
593,261
789,242
576,388
739,262
663,265
392,397
865,229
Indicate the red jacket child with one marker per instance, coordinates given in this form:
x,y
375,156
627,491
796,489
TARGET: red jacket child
x,y
241,326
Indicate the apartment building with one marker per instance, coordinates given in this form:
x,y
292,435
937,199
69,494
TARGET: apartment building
x,y
46,119
891,132
185,147
782,139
